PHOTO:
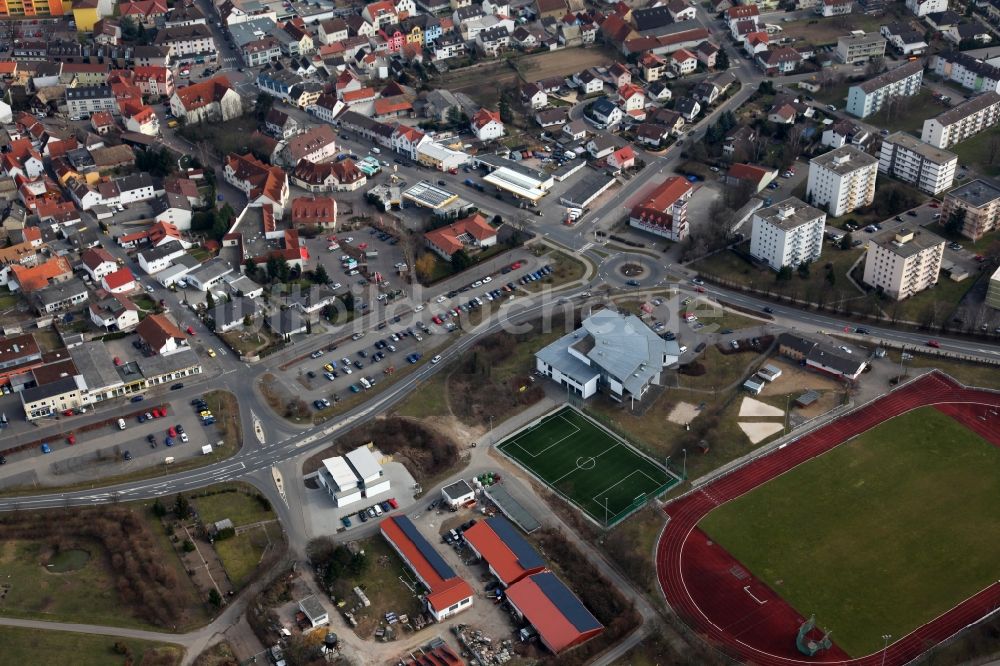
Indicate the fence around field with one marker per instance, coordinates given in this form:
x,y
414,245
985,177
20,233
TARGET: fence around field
x,y
610,521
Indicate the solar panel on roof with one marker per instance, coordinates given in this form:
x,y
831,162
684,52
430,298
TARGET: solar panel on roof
x,y
527,556
432,556
564,599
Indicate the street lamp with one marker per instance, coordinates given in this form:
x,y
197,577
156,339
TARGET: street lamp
x,y
885,648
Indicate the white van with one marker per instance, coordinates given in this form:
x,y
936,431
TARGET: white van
x,y
376,150
121,424
378,509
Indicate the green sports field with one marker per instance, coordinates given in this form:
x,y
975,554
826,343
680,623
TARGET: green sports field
x,y
879,535
597,471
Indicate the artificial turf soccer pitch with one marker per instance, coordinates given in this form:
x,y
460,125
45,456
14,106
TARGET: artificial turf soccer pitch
x,y
878,535
597,471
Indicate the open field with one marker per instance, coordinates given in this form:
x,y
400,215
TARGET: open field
x,y
978,152
484,82
971,374
30,646
731,268
721,370
827,31
594,469
910,115
239,502
937,303
242,553
878,535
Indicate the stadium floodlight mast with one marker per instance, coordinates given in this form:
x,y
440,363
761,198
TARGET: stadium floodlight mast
x,y
885,648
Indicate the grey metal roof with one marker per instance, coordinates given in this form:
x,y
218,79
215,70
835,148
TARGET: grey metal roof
x,y
511,508
557,355
50,390
625,347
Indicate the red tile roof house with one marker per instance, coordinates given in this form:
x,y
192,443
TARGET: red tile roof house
x,y
757,176
471,232
664,213
314,212
161,335
447,594
621,159
120,282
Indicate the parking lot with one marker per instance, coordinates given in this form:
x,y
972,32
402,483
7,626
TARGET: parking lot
x,y
142,443
405,333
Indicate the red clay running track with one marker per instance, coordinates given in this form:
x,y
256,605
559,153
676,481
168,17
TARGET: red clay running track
x,y
722,602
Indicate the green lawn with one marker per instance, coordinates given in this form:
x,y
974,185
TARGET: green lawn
x,y
731,268
975,153
942,299
980,246
910,115
240,507
585,463
241,554
879,535
86,594
721,370
30,646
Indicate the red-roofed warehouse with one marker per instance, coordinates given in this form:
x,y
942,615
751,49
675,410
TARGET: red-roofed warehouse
x,y
560,619
447,594
509,556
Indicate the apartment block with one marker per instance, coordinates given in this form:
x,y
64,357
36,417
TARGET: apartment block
x,y
787,234
930,169
981,201
867,98
966,71
993,291
842,180
860,47
35,8
902,263
83,101
963,121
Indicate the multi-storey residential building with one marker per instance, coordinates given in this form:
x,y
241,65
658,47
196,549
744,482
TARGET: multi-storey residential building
x,y
925,7
35,7
901,263
867,98
842,180
963,121
664,213
860,47
905,157
980,200
966,71
993,291
188,42
787,234
85,100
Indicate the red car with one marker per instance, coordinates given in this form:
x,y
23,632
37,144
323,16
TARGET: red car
x,y
700,290
514,266
172,431
163,411
393,503
934,343
980,258
190,330
118,361
437,320
155,411
71,439
68,412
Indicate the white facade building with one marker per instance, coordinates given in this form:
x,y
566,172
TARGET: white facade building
x,y
842,180
902,263
350,478
963,121
867,98
925,7
905,157
787,234
616,351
